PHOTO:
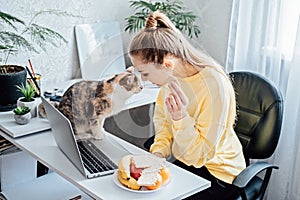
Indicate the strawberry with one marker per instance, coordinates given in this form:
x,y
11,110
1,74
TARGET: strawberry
x,y
135,172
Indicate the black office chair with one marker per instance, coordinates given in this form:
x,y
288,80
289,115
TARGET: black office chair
x,y
258,126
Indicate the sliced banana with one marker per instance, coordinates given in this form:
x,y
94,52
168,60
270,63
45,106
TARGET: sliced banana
x,y
131,183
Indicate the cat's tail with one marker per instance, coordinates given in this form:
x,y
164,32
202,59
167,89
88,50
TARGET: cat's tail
x,y
41,109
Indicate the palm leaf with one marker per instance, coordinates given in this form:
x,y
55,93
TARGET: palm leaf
x,y
174,9
143,5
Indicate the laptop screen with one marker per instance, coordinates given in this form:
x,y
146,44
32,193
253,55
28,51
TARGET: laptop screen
x,y
63,134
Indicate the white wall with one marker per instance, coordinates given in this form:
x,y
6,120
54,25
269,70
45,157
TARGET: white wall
x,y
214,22
60,64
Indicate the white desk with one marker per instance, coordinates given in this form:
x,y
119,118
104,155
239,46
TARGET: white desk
x,y
42,147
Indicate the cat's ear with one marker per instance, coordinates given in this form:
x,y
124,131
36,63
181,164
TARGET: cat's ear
x,y
130,79
130,69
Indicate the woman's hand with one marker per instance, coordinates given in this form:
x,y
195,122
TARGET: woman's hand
x,y
176,102
158,154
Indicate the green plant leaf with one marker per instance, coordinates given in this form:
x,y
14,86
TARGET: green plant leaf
x,y
21,110
42,35
10,20
16,35
12,41
143,5
174,9
28,91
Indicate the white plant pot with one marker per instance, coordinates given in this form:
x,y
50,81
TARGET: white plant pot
x,y
32,105
22,119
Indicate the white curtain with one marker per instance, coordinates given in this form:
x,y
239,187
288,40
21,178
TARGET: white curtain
x,y
265,38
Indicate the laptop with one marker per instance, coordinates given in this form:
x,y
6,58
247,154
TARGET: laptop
x,y
89,156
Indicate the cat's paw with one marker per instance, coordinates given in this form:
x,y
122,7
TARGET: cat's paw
x,y
100,135
82,136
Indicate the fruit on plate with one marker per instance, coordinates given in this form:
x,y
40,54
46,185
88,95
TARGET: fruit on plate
x,y
157,184
165,174
124,173
131,183
136,171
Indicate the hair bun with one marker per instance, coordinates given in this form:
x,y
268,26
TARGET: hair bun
x,y
151,22
159,20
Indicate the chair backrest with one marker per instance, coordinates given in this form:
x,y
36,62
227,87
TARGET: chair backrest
x,y
260,111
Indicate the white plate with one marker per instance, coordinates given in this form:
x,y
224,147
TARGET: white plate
x,y
142,190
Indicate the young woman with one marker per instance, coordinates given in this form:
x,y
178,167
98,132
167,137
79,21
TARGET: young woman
x,y
195,110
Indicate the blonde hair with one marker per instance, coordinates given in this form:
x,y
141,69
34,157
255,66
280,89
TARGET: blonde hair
x,y
160,38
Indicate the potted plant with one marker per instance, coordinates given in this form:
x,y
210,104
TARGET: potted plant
x,y
174,9
10,76
27,99
15,36
22,115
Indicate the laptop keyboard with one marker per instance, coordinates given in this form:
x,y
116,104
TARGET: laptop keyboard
x,y
94,160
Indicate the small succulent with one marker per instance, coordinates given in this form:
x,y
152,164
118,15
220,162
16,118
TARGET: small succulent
x,y
21,110
28,91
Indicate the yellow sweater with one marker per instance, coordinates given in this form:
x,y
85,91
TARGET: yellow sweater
x,y
206,136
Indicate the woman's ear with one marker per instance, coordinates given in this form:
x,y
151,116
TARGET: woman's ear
x,y
169,64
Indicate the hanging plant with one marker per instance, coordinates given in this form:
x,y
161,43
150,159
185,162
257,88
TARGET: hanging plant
x,y
16,35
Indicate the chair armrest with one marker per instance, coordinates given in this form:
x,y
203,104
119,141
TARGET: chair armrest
x,y
149,142
249,172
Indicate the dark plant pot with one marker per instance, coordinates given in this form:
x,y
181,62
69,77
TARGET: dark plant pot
x,y
15,75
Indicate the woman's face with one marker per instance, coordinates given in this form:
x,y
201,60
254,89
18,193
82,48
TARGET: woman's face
x,y
155,73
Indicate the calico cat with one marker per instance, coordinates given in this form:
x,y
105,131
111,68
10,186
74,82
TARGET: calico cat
x,y
87,103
